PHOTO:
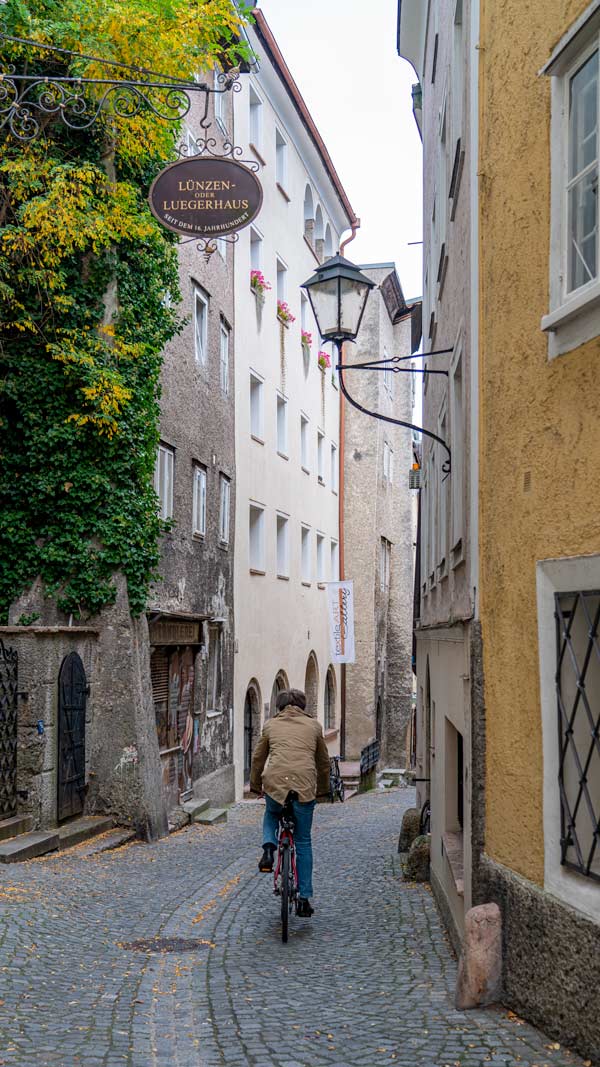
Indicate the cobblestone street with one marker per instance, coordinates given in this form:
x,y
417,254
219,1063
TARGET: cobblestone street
x,y
368,981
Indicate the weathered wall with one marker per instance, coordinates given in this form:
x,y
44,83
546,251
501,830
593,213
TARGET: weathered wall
x,y
539,419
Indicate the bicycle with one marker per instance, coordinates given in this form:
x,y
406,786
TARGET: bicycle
x,y
285,879
336,782
425,819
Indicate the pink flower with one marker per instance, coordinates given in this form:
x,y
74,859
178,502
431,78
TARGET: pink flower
x,y
306,338
257,281
284,313
324,360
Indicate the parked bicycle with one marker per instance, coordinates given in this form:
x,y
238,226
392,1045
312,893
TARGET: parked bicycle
x,y
286,876
336,782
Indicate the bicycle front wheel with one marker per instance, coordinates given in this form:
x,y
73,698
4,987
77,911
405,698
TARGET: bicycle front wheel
x,y
285,893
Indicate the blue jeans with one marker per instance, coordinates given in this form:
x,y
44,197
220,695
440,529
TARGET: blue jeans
x,y
303,817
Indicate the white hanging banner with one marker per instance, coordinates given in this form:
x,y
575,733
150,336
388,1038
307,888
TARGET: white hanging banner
x,y
340,597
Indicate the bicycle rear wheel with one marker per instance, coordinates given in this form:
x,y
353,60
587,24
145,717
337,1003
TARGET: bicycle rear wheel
x,y
285,892
341,791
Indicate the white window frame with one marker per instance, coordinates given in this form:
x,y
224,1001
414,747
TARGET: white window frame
x,y
255,119
224,346
282,527
572,318
305,554
256,249
334,560
388,376
305,442
220,101
282,279
320,457
282,425
200,300
224,508
334,469
199,504
256,547
281,160
385,551
321,568
559,576
257,407
164,478
443,481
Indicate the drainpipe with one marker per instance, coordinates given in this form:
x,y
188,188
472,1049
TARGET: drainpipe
x,y
341,487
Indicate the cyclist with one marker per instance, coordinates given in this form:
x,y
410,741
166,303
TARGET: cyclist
x,y
298,763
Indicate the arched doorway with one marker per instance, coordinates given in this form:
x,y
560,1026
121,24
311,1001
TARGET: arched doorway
x,y
251,725
72,693
280,683
330,699
311,685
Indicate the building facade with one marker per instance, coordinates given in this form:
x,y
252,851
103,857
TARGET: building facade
x,y
438,39
287,411
379,528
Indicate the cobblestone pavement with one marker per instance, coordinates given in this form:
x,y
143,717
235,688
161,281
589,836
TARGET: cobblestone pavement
x,y
368,981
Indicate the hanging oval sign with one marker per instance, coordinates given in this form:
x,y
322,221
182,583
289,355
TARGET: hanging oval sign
x,y
207,197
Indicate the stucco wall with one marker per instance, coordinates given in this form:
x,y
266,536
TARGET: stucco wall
x,y
539,420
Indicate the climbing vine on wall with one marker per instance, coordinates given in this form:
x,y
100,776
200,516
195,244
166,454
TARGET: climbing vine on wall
x,y
88,298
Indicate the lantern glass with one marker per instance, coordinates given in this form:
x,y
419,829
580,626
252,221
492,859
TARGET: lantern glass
x,y
323,296
353,296
338,293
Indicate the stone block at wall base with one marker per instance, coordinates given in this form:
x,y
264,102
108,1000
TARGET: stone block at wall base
x,y
417,868
479,981
410,828
218,787
551,959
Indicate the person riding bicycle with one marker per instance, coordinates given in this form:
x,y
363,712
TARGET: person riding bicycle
x,y
298,763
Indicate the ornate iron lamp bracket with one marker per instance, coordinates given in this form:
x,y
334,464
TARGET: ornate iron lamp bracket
x,y
391,364
27,99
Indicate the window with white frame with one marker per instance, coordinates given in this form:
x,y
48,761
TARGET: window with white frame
x,y
425,527
574,254
431,509
388,376
256,113
200,305
388,463
257,390
220,100
199,504
281,280
256,249
457,433
321,457
280,159
304,443
334,559
191,143
306,568
214,673
384,564
224,362
442,514
282,425
304,312
163,480
256,531
321,567
283,550
333,479
225,494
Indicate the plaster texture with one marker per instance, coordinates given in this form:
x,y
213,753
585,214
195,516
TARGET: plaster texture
x,y
378,505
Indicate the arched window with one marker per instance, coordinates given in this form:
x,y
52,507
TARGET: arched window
x,y
251,724
309,215
311,685
280,683
330,699
328,250
319,233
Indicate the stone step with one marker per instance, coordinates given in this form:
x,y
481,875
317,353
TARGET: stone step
x,y
73,833
17,824
349,793
109,841
386,783
210,816
28,846
194,807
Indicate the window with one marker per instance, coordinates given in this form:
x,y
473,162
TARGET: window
x,y
256,249
330,700
334,469
457,430
321,457
224,509
257,538
199,506
305,555
200,303
163,480
283,562
256,406
384,564
224,358
335,561
321,568
280,159
304,311
388,376
221,244
388,464
191,143
281,280
574,277
220,100
442,517
214,671
282,432
304,443
255,119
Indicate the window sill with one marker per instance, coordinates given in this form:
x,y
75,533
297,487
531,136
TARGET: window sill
x,y
321,585
169,751
283,577
224,546
305,469
335,492
259,440
454,851
283,322
283,193
283,455
331,734
574,322
320,480
214,713
255,570
198,537
258,155
307,584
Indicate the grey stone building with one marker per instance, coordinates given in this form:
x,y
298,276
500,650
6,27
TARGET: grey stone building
x,y
379,527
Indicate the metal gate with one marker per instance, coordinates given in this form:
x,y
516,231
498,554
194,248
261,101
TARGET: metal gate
x,y
8,730
72,692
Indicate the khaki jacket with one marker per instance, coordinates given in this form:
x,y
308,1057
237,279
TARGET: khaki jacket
x,y
298,757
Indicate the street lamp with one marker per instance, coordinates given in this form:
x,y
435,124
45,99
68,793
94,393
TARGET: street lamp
x,y
338,292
